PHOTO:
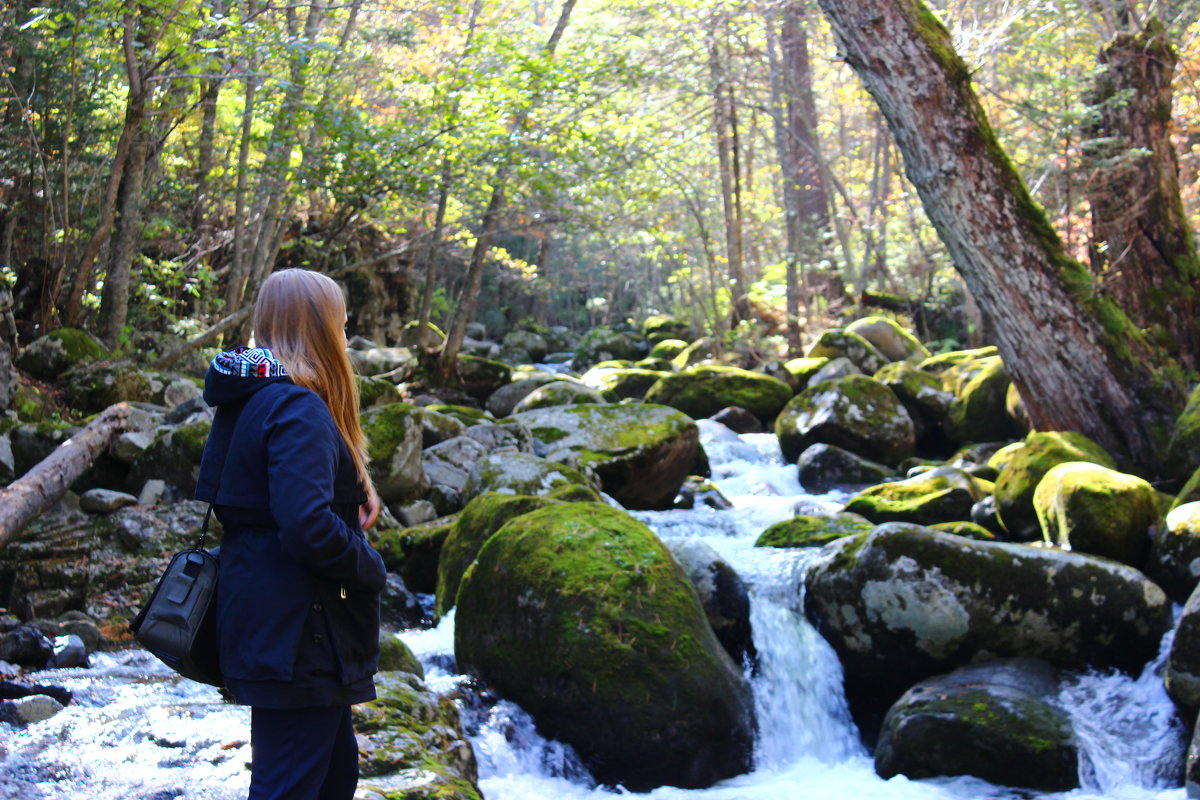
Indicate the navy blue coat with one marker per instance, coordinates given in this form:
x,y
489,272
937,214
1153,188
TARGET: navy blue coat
x,y
299,586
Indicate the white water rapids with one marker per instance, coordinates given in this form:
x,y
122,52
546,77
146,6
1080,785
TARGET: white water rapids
x,y
135,733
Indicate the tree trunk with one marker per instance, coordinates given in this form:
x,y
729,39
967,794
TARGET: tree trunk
x,y
1076,359
722,124
114,301
1143,252
39,488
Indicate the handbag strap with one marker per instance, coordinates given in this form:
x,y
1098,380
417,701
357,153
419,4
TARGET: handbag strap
x,y
217,486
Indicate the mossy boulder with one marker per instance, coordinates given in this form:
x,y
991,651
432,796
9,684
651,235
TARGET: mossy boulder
x,y
1183,448
802,369
413,553
437,427
394,441
51,355
374,392
467,415
702,391
1092,509
840,343
694,353
1182,673
939,364
995,720
1174,561
966,529
481,377
825,467
1023,469
502,401
482,517
93,386
396,656
615,384
579,613
922,395
412,739
979,412
808,530
855,413
668,348
906,602
662,328
605,344
519,473
889,338
449,463
558,393
943,494
834,369
173,456
641,452
723,596
531,343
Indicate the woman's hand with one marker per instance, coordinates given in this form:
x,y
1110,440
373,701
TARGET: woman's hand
x,y
369,510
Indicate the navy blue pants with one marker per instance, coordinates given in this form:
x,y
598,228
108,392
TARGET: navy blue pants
x,y
302,754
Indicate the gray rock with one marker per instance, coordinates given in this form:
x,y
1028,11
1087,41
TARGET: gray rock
x,y
395,434
26,646
69,651
105,501
416,513
506,437
186,410
723,596
8,464
36,708
449,463
152,493
519,473
855,413
397,362
1182,675
129,445
824,467
1175,554
836,368
502,401
437,427
558,393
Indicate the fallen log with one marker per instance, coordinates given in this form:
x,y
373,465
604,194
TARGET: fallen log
x,y
33,492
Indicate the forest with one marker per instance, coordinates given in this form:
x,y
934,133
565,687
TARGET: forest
x,y
826,369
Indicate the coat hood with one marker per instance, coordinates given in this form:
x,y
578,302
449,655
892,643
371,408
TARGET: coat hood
x,y
236,374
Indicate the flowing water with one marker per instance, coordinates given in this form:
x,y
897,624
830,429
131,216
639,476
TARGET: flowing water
x,y
135,732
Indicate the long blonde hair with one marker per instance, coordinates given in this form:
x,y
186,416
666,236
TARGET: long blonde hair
x,y
299,316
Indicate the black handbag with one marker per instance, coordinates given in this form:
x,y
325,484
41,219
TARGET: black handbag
x,y
179,622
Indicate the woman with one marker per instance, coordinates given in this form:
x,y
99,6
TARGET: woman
x,y
298,592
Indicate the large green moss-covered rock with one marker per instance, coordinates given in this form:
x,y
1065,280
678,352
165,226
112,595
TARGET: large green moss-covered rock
x,y
694,353
531,344
642,453
394,442
51,355
413,553
839,343
1183,449
621,384
1092,509
558,393
801,370
807,530
482,376
921,393
979,412
855,413
481,518
579,613
605,344
1023,469
995,720
668,348
93,386
889,338
411,743
661,328
1174,562
702,391
944,494
502,401
937,365
905,602
376,392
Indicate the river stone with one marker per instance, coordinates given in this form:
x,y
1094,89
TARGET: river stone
x,y
375,392
413,738
801,370
437,427
1092,509
810,530
530,342
482,376
173,457
855,413
93,386
994,720
824,467
905,602
26,647
840,343
558,393
413,553
36,708
641,452
668,348
738,420
662,328
51,355
604,344
620,384
1182,674
394,438
410,335
1183,448
943,494
1174,562
723,596
1192,773
519,473
833,369
449,463
396,656
502,401
481,518
69,651
979,412
578,613
702,391
889,338
1024,469
104,501
921,393
698,490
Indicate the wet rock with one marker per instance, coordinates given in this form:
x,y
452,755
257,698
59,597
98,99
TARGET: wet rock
x,y
723,596
399,608
36,708
703,491
641,453
703,390
579,613
1092,509
856,413
26,647
905,602
395,656
1182,674
105,501
15,690
1174,562
993,720
69,651
811,530
738,420
824,467
943,494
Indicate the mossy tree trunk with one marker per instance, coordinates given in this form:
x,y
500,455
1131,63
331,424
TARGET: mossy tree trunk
x,y
1075,357
1143,252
